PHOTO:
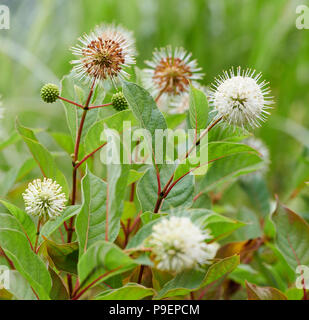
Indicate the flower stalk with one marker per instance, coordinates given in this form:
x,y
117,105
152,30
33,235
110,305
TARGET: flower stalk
x,y
37,236
167,188
76,151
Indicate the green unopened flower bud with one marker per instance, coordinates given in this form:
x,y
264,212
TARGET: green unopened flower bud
x,y
119,101
50,93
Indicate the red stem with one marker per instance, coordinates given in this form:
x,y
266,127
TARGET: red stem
x,y
61,235
167,189
140,275
71,102
101,106
126,232
197,196
79,135
7,259
158,204
66,226
37,236
132,192
89,155
202,136
165,193
70,284
77,295
35,293
78,138
74,175
135,222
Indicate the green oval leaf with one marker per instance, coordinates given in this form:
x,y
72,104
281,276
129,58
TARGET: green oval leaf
x,y
198,108
131,291
17,248
292,236
263,293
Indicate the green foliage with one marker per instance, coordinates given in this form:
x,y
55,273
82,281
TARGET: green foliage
x,y
91,220
20,287
198,109
63,256
76,91
58,290
52,226
266,293
102,261
22,220
42,156
180,196
228,168
145,110
192,280
130,291
27,263
292,236
94,136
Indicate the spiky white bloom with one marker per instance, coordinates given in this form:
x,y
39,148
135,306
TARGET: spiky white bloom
x,y
178,244
170,72
105,53
241,99
44,199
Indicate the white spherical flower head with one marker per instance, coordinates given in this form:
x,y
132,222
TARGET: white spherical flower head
x,y
44,199
178,244
105,53
170,72
241,99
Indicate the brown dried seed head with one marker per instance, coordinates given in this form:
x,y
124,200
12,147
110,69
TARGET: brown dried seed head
x,y
172,75
103,58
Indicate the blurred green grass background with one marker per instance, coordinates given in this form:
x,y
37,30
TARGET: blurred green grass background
x,y
260,34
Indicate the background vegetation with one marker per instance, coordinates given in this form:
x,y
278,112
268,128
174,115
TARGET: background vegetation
x,y
255,33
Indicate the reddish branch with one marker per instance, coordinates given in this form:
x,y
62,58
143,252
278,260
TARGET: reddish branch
x,y
89,155
135,222
197,196
140,275
76,151
101,106
127,230
78,292
168,187
71,102
132,192
37,236
74,175
10,262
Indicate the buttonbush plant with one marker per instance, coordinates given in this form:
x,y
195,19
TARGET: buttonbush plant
x,y
150,229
